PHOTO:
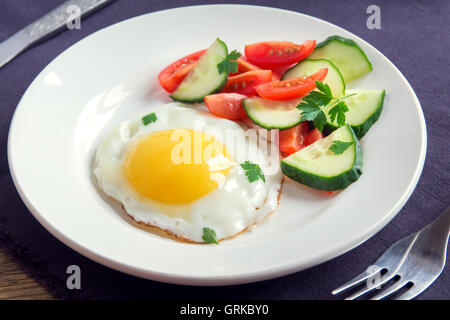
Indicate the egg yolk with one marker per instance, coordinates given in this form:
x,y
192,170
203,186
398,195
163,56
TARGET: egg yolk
x,y
177,166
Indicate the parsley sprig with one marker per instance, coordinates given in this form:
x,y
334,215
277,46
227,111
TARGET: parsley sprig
x,y
338,146
253,171
313,101
209,236
229,64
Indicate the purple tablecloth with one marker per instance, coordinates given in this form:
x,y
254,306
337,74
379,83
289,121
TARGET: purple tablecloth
x,y
414,35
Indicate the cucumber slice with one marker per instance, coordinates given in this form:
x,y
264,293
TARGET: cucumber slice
x,y
204,79
272,114
346,54
309,66
318,167
364,109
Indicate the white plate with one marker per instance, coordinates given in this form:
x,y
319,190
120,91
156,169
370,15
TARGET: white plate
x,y
112,75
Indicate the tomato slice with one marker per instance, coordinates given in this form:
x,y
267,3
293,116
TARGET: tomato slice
x,y
313,136
292,88
278,53
245,83
171,76
244,66
226,105
279,71
293,139
276,76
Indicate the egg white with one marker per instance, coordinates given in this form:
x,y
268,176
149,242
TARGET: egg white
x,y
228,209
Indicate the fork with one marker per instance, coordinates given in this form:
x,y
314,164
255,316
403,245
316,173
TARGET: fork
x,y
412,264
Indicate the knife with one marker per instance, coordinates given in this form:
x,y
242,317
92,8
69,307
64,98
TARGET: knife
x,y
46,26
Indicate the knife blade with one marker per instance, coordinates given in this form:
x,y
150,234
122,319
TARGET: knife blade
x,y
46,26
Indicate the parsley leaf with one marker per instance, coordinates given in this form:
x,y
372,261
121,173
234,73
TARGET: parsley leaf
x,y
209,236
320,98
325,88
319,121
310,109
229,64
338,113
312,112
313,101
151,117
253,171
338,146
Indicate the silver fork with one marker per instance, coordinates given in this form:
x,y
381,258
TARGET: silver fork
x,y
414,262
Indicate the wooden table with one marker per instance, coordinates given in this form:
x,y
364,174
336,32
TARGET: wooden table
x,y
16,284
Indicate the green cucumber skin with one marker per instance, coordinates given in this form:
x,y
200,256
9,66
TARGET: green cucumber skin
x,y
338,182
219,88
263,125
346,41
363,128
329,61
200,99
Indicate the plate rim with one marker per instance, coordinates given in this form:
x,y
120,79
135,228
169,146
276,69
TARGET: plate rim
x,y
241,278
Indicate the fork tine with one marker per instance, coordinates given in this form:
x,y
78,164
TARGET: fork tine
x,y
388,276
396,286
356,280
413,292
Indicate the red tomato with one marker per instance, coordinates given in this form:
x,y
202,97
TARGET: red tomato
x,y
226,105
313,136
292,88
279,71
171,76
275,76
278,53
245,83
293,139
244,66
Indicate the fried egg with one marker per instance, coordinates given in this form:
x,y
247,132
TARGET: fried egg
x,y
179,169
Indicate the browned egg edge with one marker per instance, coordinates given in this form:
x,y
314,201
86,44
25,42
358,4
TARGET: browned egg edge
x,y
170,235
